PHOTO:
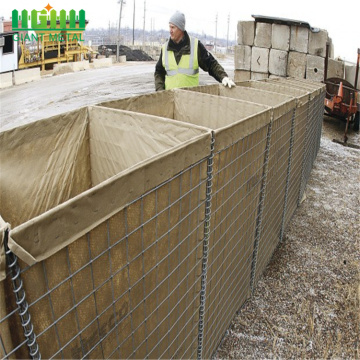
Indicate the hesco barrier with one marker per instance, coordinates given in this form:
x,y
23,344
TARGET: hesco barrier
x,y
138,227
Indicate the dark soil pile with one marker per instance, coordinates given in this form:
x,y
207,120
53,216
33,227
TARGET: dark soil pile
x,y
131,55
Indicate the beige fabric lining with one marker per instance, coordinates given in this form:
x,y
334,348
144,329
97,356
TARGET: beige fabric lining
x,y
68,154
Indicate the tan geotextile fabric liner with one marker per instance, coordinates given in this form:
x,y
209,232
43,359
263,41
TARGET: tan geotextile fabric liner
x,y
118,145
45,234
301,95
160,103
189,144
231,119
297,163
118,255
280,103
43,164
237,176
274,201
283,108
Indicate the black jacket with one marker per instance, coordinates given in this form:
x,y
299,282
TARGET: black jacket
x,y
206,61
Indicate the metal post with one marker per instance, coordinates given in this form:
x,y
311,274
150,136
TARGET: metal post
x,y
260,209
288,176
205,249
23,306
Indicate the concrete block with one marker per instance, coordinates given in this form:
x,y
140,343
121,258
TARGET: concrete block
x,y
299,39
278,62
122,58
263,35
242,75
242,58
259,76
315,66
331,49
335,68
280,37
275,76
296,65
350,72
317,43
62,68
260,60
6,80
246,33
26,75
100,63
81,65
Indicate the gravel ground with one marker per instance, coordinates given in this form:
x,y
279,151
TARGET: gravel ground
x,y
307,304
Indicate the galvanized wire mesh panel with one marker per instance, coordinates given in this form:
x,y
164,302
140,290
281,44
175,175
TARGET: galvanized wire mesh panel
x,y
315,111
311,141
301,115
238,172
127,289
275,191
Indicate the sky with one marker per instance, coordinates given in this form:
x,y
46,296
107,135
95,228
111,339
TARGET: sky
x,y
217,19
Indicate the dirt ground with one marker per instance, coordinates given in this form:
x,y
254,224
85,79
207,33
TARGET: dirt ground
x,y
307,304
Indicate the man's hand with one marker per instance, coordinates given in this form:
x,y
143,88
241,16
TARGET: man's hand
x,y
228,82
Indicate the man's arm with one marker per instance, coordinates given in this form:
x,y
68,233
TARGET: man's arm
x,y
159,75
209,64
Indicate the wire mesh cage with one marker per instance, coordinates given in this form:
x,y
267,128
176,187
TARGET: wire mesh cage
x,y
129,285
137,228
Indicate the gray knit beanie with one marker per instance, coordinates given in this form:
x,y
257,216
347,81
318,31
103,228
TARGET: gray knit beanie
x,y
178,19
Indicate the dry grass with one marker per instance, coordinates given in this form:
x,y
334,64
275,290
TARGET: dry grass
x,y
307,304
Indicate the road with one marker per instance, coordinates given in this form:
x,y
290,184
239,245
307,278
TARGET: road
x,y
53,95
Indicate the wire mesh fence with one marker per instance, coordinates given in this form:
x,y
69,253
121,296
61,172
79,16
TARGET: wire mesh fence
x,y
164,276
238,174
127,289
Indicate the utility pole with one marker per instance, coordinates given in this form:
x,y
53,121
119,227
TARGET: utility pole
x,y
227,38
118,37
216,20
134,25
144,23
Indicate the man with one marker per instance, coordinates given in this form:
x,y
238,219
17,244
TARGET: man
x,y
180,59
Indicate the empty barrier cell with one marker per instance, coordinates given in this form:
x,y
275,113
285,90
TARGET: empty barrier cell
x,y
110,257
240,138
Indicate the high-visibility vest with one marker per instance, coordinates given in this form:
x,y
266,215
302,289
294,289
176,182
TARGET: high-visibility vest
x,y
184,74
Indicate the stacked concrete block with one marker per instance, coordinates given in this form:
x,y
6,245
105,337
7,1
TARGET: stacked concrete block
x,y
331,48
299,39
242,75
350,73
335,68
263,35
296,65
315,66
260,60
246,32
280,37
317,43
278,60
258,76
282,50
242,57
